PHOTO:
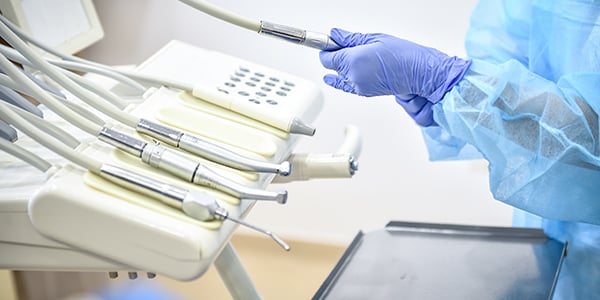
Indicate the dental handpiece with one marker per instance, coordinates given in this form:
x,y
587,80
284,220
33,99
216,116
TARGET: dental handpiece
x,y
208,150
187,169
303,37
298,36
195,204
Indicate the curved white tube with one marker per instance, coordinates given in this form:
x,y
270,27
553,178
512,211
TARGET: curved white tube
x,y
223,14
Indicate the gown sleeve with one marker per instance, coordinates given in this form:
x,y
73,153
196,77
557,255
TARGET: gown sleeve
x,y
539,134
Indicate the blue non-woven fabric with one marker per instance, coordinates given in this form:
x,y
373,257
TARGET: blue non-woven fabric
x,y
529,105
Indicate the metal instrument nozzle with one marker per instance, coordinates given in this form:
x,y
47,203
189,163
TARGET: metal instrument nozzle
x,y
311,39
224,215
298,126
353,165
203,207
285,168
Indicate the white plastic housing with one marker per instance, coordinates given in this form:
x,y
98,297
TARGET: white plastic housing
x,y
76,221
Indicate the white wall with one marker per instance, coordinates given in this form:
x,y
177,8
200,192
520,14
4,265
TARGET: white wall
x,y
396,181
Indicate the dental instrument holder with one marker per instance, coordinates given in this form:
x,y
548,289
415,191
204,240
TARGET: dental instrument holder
x,y
408,260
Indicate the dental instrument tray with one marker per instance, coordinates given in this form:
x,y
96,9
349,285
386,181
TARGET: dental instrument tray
x,y
439,261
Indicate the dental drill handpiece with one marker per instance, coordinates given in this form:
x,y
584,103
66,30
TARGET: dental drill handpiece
x,y
195,204
174,163
209,150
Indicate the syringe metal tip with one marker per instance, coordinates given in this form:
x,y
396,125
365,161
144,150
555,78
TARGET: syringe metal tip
x,y
299,127
277,239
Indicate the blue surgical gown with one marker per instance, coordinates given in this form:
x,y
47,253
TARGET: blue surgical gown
x,y
529,105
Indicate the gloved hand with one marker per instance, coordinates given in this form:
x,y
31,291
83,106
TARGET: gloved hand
x,y
377,64
419,109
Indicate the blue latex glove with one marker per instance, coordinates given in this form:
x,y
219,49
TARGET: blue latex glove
x,y
419,109
377,64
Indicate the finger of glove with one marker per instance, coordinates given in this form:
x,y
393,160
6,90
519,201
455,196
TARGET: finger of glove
x,y
339,83
412,105
419,109
348,39
331,60
425,116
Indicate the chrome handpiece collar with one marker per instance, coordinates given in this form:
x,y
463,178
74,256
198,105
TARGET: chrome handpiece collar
x,y
160,132
170,161
122,141
283,32
311,39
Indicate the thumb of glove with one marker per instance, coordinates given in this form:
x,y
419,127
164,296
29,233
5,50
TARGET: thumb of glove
x,y
348,39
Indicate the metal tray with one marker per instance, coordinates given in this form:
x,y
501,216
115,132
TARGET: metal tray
x,y
440,261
